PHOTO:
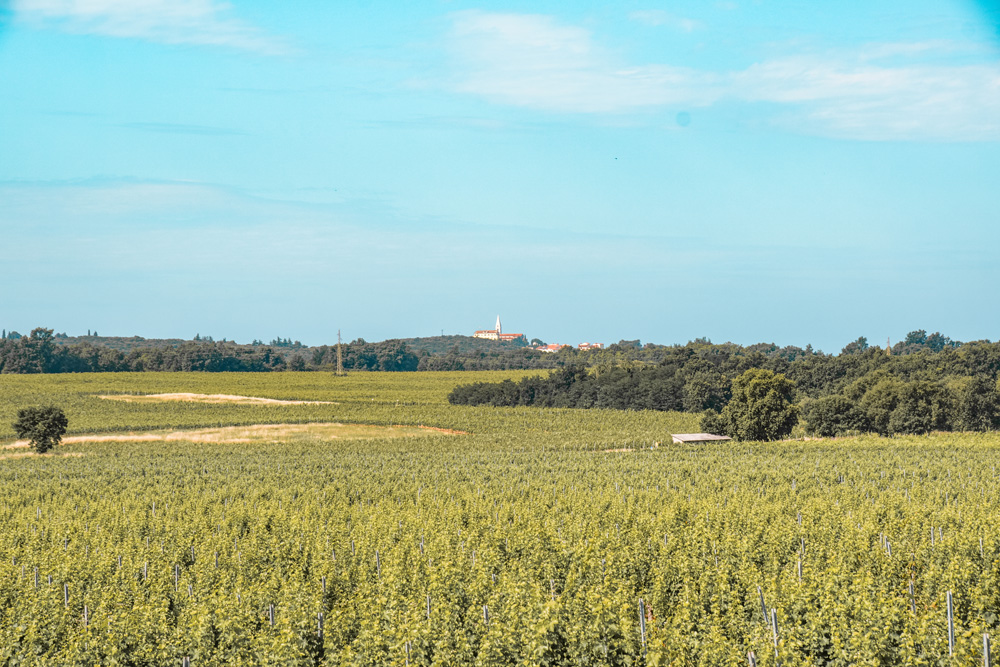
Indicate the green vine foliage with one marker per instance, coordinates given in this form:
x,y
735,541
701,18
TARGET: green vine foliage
x,y
525,542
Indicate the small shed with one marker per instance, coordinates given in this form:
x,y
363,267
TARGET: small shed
x,y
695,438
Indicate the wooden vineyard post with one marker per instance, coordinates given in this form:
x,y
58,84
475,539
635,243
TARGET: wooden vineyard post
x,y
642,625
951,626
774,631
752,659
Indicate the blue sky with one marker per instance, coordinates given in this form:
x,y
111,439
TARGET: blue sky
x,y
591,171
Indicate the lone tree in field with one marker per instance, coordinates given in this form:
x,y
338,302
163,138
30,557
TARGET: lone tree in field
x,y
760,408
44,427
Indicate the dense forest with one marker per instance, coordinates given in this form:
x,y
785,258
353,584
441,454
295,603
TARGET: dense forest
x,y
924,383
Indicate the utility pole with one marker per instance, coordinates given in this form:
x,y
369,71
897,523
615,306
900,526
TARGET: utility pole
x,y
340,356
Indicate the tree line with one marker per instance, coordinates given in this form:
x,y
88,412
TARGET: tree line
x,y
924,383
39,353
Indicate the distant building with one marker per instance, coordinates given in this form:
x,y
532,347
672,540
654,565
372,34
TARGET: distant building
x,y
497,334
555,347
695,438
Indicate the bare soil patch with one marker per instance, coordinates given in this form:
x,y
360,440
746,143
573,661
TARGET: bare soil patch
x,y
259,433
206,398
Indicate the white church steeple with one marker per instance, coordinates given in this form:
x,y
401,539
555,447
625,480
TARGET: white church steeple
x,y
491,334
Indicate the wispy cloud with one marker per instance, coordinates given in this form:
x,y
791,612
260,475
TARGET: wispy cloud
x,y
112,217
658,17
879,103
533,61
179,128
109,200
886,50
530,60
206,22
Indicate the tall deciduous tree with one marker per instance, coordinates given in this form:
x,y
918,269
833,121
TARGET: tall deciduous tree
x,y
761,407
44,427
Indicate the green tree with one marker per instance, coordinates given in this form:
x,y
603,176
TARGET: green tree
x,y
918,337
44,427
856,347
977,405
761,406
705,390
879,401
833,415
922,406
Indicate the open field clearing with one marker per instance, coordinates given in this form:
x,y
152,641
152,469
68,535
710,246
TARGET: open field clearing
x,y
523,542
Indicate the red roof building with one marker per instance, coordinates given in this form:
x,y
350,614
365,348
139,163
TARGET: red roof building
x,y
497,334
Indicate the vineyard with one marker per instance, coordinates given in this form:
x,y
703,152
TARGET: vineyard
x,y
537,537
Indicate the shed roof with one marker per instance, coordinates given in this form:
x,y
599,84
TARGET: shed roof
x,y
680,438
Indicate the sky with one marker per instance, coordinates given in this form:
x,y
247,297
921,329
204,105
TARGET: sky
x,y
746,171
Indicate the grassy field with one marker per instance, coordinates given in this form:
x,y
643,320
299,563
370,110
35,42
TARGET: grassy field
x,y
523,541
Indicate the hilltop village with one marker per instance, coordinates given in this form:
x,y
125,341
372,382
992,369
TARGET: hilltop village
x,y
497,334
